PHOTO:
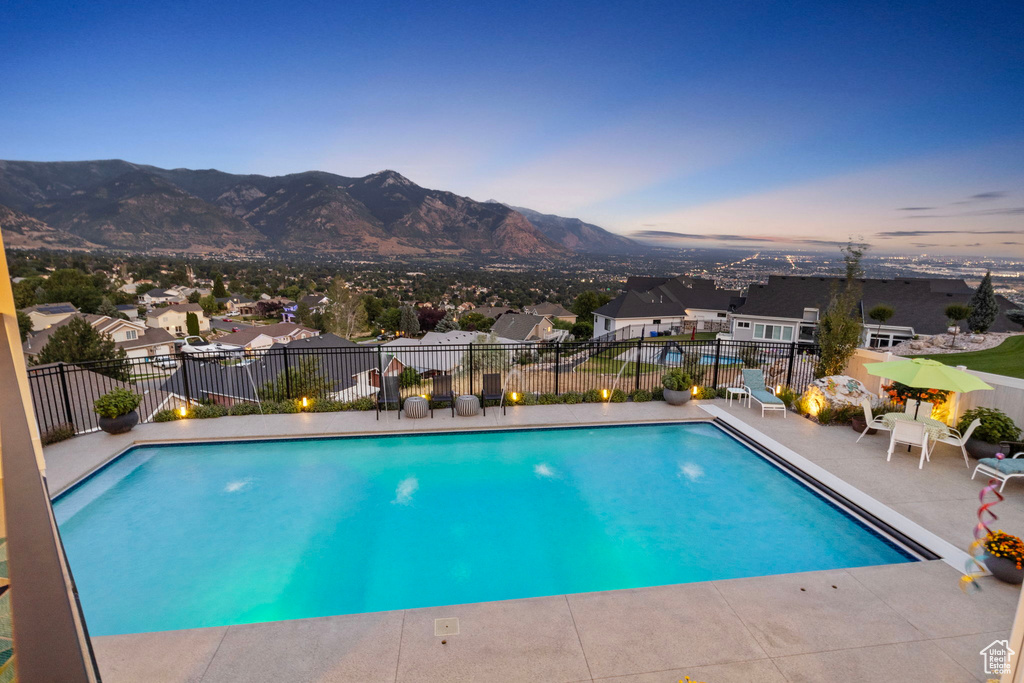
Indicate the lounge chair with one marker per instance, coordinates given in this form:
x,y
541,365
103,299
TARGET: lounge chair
x,y
492,391
1003,470
955,438
909,434
871,421
753,382
390,394
442,392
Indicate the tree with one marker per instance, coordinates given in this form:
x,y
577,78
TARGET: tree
x,y
78,342
408,323
428,317
209,304
374,307
345,314
25,292
1016,317
192,324
984,307
219,292
880,314
108,308
71,284
409,377
955,313
475,322
587,302
486,358
390,320
839,327
447,323
194,297
304,378
24,325
582,329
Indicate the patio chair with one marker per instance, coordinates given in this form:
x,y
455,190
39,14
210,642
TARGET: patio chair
x,y
1003,470
442,392
492,391
909,434
917,409
753,382
955,438
390,394
871,421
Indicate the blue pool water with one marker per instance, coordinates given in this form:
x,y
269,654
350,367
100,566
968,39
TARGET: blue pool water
x,y
675,358
206,535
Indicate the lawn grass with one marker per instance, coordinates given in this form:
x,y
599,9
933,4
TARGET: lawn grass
x,y
1005,359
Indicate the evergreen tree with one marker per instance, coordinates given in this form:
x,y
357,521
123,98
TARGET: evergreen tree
x,y
984,307
447,323
108,308
305,378
839,327
409,323
78,342
192,324
24,325
218,288
194,297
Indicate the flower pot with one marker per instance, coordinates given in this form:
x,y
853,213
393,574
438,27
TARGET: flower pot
x,y
677,398
979,449
1004,569
858,424
120,424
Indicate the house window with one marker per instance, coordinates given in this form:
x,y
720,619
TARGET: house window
x,y
607,323
177,328
720,315
656,321
773,332
130,335
743,324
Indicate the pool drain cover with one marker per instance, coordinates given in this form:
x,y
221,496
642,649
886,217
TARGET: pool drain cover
x,y
446,627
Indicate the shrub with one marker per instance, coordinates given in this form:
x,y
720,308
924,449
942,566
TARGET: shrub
x,y
901,393
529,399
364,403
721,392
826,414
618,396
592,396
168,415
642,396
244,409
677,379
788,396
658,394
116,403
1001,544
547,399
326,406
59,433
205,412
704,393
409,377
286,406
572,397
995,425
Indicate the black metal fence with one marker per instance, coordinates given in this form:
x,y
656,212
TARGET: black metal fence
x,y
63,394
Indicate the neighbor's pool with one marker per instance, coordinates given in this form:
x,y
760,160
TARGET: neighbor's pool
x,y
204,535
674,357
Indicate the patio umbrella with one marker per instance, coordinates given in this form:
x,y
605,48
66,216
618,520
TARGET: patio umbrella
x,y
925,373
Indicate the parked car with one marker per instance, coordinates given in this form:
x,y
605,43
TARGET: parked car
x,y
234,329
227,320
165,362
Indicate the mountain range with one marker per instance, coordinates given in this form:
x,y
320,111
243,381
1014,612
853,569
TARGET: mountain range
x,y
120,205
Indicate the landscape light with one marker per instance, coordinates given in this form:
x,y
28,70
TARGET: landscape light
x,y
778,390
515,397
693,390
604,393
305,402
182,411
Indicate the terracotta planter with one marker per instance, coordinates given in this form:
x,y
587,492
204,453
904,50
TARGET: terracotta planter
x,y
1004,569
119,425
858,424
979,449
677,398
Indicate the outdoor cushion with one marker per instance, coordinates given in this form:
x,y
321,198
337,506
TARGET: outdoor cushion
x,y
754,379
767,397
1006,466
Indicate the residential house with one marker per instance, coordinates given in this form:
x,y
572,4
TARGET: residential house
x,y
173,318
157,296
238,304
493,312
551,310
787,308
138,340
666,303
132,312
263,337
429,355
523,327
316,302
45,315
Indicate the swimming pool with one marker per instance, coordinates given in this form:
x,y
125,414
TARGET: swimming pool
x,y
183,536
674,357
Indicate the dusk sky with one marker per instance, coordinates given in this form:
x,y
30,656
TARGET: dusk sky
x,y
693,123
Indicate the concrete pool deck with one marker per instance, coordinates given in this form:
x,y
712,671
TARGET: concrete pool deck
x,y
907,622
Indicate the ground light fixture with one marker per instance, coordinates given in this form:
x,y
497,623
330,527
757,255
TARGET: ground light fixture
x,y
182,411
604,394
514,397
305,402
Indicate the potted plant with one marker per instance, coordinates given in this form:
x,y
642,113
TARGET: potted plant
x,y
117,411
995,427
678,386
1004,556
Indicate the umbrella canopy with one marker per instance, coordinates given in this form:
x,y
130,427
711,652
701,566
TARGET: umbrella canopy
x,y
925,373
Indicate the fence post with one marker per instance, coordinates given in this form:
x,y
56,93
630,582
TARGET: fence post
x,y
68,418
287,374
718,356
792,357
380,368
639,352
184,377
471,367
558,363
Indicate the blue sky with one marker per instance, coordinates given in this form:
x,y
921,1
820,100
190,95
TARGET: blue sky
x,y
691,123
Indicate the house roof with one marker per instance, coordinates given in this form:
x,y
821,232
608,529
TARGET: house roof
x,y
51,309
126,307
246,336
492,311
176,308
516,326
156,292
148,336
235,298
669,298
151,337
550,308
918,303
428,353
313,299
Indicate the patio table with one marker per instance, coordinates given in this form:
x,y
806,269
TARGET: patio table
x,y
936,430
415,407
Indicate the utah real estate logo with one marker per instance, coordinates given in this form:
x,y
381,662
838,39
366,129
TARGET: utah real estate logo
x,y
997,657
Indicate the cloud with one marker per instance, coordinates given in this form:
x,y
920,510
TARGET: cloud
x,y
1006,211
982,196
916,208
406,487
921,233
669,235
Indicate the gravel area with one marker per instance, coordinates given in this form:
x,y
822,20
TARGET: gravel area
x,y
941,343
